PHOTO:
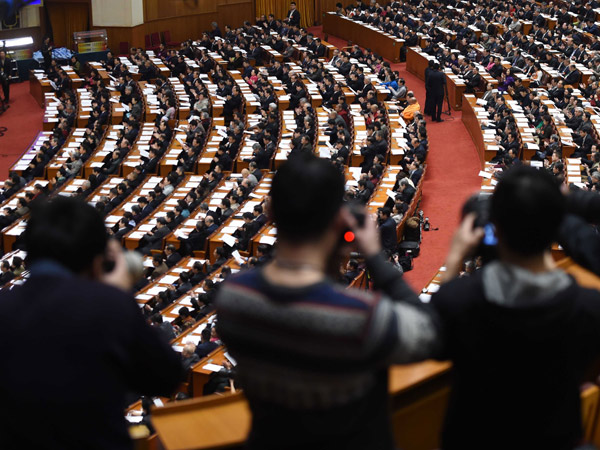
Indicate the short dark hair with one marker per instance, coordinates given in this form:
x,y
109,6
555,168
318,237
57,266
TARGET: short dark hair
x,y
306,194
65,230
527,208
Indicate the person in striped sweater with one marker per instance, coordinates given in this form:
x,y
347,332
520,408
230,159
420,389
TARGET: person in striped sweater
x,y
312,355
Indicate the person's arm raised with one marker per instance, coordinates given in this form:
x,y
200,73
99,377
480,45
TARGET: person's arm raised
x,y
465,241
384,275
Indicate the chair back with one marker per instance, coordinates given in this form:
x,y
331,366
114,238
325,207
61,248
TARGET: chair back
x,y
124,48
155,38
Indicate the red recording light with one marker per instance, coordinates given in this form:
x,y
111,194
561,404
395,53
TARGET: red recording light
x,y
349,236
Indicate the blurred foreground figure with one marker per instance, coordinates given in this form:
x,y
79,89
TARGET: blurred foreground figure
x,y
72,346
313,356
520,333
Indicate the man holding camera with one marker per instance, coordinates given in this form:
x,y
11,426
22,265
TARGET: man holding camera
x,y
313,356
520,333
95,348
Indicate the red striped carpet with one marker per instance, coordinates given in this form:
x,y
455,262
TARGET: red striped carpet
x,y
451,175
23,121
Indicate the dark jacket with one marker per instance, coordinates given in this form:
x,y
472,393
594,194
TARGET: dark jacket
x,y
97,349
514,349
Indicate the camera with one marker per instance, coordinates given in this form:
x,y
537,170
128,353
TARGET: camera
x,y
358,211
480,204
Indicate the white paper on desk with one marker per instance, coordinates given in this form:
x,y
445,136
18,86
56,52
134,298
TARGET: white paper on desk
x,y
158,403
134,419
433,287
155,290
324,152
485,174
539,164
169,279
212,367
268,240
231,359
425,298
391,194
238,258
229,240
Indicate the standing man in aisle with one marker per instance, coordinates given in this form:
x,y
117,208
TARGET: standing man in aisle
x,y
436,86
293,15
5,69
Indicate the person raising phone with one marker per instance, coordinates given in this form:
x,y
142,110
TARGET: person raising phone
x,y
313,355
93,348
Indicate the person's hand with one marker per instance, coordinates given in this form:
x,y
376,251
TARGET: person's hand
x,y
365,238
466,239
120,276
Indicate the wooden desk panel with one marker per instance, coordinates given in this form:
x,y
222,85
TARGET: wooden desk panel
x,y
469,118
415,63
347,29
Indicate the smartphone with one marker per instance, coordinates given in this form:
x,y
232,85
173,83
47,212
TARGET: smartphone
x,y
489,238
359,213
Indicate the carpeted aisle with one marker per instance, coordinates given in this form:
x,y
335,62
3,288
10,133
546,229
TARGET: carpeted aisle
x,y
452,168
23,121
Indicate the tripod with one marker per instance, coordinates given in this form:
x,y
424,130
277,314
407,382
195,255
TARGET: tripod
x,y
448,112
3,104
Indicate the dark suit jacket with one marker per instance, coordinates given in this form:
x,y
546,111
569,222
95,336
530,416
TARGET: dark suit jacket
x,y
155,241
416,176
387,231
100,350
435,83
204,348
295,17
173,259
573,77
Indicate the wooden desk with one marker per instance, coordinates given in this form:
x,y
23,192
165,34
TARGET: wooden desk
x,y
133,238
469,118
379,42
203,423
416,63
38,86
11,233
456,89
29,154
227,228
223,421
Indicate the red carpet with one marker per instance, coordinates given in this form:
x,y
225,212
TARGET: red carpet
x,y
23,121
452,168
451,174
